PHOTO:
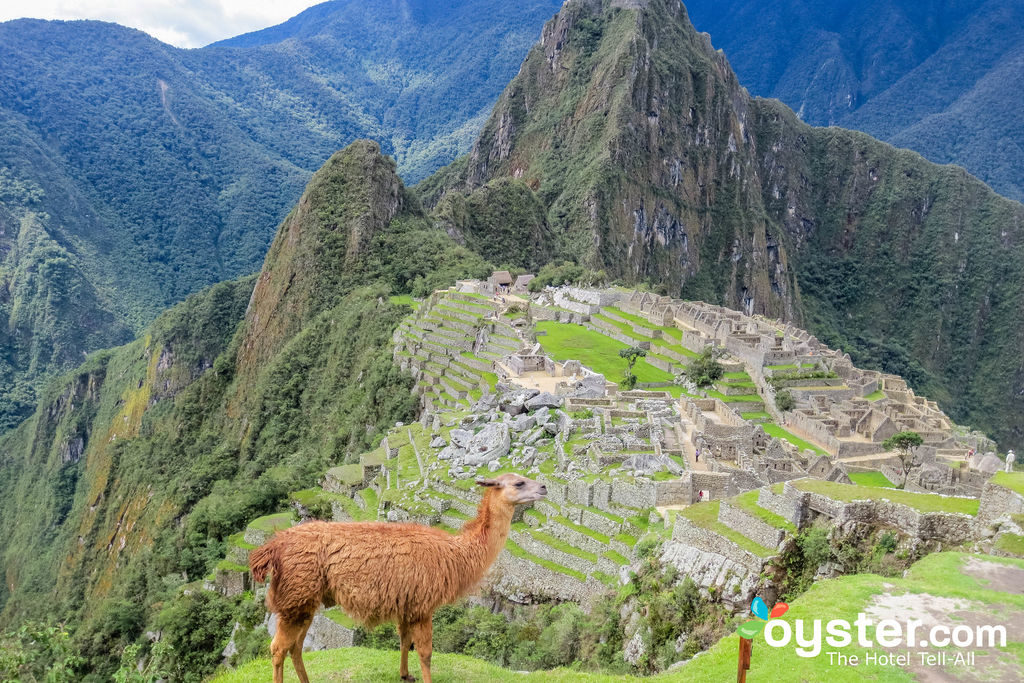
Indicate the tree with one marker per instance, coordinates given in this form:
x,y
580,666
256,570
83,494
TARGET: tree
x,y
904,444
705,369
631,355
784,401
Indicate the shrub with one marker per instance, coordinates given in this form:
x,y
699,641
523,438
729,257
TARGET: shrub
x,y
784,401
705,370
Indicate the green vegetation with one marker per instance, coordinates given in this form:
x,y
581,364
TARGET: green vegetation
x,y
1011,480
784,400
876,479
1011,543
939,574
875,395
706,515
780,433
565,273
631,355
756,416
922,502
705,370
904,444
565,341
748,503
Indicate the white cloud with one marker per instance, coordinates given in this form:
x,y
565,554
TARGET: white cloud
x,y
185,23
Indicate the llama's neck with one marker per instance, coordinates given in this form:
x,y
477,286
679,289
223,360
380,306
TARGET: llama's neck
x,y
484,537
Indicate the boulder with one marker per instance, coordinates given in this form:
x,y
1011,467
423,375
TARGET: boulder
x,y
514,402
490,443
522,422
544,399
438,442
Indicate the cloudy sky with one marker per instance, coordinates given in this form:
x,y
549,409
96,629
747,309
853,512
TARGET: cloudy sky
x,y
185,23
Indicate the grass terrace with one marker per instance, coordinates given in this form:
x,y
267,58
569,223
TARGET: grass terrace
x,y
922,502
405,300
875,395
272,523
1010,480
780,433
876,479
705,515
748,503
565,341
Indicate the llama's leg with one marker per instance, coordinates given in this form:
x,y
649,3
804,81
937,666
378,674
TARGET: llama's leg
x,y
300,668
405,634
423,637
287,633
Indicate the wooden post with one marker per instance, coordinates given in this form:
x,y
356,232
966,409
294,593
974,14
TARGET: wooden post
x,y
746,647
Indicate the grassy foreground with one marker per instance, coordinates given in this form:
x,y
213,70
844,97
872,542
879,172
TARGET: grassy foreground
x,y
360,664
937,575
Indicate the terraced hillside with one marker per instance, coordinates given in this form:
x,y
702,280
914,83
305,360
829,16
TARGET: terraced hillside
x,y
708,475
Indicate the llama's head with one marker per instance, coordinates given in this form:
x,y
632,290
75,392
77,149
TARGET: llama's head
x,y
514,489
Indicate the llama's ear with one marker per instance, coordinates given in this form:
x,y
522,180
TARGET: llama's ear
x,y
488,482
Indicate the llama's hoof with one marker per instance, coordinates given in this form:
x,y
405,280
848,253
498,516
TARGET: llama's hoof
x,y
408,678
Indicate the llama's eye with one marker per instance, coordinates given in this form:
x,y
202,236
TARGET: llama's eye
x,y
519,484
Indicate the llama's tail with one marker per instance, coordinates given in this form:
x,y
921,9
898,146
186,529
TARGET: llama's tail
x,y
262,560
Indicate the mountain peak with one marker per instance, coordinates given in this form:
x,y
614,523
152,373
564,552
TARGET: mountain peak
x,y
311,261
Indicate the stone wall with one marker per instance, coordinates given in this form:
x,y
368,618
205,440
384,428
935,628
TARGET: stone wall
x,y
791,507
939,526
998,501
750,526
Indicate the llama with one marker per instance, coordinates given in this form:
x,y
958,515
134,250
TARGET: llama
x,y
379,572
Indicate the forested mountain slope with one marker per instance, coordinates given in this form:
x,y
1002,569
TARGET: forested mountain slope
x,y
652,163
142,173
941,77
135,467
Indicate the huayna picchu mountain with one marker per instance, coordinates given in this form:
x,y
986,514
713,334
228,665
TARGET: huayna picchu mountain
x,y
140,462
654,164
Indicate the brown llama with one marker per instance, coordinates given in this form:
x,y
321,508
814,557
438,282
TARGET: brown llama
x,y
379,572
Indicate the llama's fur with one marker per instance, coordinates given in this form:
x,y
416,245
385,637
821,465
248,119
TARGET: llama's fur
x,y
379,572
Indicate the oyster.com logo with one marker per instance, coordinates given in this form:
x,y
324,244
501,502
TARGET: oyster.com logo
x,y
750,629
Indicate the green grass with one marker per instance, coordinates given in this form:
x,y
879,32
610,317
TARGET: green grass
x,y
1011,543
875,395
228,566
789,366
607,515
565,341
516,551
759,415
843,598
559,544
238,541
627,539
272,523
369,496
404,300
780,433
615,557
922,502
565,521
347,474
871,479
365,665
743,398
1010,480
748,503
705,515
